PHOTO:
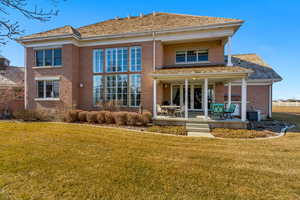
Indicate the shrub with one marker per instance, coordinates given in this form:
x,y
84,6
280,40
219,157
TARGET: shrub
x,y
145,118
147,115
101,117
109,118
120,118
132,118
82,116
72,115
91,117
34,115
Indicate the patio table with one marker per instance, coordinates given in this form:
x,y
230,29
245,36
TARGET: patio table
x,y
170,109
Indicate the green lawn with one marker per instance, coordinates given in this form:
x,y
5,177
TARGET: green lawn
x,y
59,161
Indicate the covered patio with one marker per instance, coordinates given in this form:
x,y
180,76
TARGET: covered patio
x,y
192,90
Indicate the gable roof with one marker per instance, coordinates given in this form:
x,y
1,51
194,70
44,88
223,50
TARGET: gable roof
x,y
145,23
261,70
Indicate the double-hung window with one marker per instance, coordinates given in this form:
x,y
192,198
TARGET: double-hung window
x,y
135,89
48,57
135,59
191,56
47,89
117,88
116,59
98,60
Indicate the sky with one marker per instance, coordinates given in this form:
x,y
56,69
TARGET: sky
x,y
271,28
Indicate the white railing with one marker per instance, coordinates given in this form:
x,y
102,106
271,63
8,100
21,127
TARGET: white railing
x,y
286,103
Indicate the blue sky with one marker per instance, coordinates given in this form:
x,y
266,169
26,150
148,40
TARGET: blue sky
x,y
271,28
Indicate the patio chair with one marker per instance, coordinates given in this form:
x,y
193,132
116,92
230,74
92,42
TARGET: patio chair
x,y
230,110
180,111
217,110
161,111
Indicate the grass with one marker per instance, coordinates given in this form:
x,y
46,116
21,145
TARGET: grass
x,y
240,133
175,130
288,114
68,161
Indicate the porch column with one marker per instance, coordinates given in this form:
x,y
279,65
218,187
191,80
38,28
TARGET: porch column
x,y
244,100
229,63
205,98
154,99
186,99
229,94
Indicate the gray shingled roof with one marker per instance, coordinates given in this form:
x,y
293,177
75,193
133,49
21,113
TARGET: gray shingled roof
x,y
261,70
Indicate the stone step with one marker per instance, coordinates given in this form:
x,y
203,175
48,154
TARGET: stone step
x,y
200,134
196,129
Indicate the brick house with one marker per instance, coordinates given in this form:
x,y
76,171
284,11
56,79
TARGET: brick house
x,y
144,61
11,87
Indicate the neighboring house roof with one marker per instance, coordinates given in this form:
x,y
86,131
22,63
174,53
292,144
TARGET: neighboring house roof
x,y
149,22
12,76
203,70
261,70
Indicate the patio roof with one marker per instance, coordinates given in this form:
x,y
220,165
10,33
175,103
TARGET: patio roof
x,y
218,71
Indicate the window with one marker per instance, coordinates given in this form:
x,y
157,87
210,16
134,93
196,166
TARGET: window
x,y
116,59
135,59
117,88
47,89
98,60
48,57
135,89
191,56
98,89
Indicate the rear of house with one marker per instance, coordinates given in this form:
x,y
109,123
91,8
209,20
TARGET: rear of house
x,y
145,61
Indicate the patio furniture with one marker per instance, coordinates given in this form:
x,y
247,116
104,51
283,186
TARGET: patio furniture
x,y
229,111
161,111
180,111
170,109
217,110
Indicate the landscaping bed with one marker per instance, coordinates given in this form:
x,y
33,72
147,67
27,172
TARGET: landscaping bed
x,y
241,133
174,130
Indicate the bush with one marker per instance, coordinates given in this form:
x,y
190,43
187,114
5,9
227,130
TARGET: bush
x,y
82,116
34,115
147,115
91,117
109,118
72,115
132,118
120,118
146,118
101,117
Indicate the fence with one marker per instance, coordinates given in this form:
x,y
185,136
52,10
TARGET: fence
x,y
286,103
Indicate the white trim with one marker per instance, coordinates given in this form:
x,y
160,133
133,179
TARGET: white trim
x,y
191,49
244,100
200,74
205,105
47,99
47,78
186,102
154,52
229,93
48,47
48,67
229,63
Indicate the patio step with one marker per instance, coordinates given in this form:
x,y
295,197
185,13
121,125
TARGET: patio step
x,y
198,129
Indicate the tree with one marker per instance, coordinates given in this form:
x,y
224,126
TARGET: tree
x,y
10,28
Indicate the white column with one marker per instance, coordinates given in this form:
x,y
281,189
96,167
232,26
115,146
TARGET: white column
x,y
229,94
270,99
171,94
205,98
181,95
229,63
244,99
192,96
186,114
154,99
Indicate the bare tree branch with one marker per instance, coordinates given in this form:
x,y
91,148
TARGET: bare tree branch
x,y
9,28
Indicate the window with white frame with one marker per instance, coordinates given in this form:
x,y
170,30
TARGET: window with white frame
x,y
135,59
98,60
117,88
135,89
191,56
116,59
98,89
47,89
48,57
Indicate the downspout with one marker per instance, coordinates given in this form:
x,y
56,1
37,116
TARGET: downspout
x,y
154,51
